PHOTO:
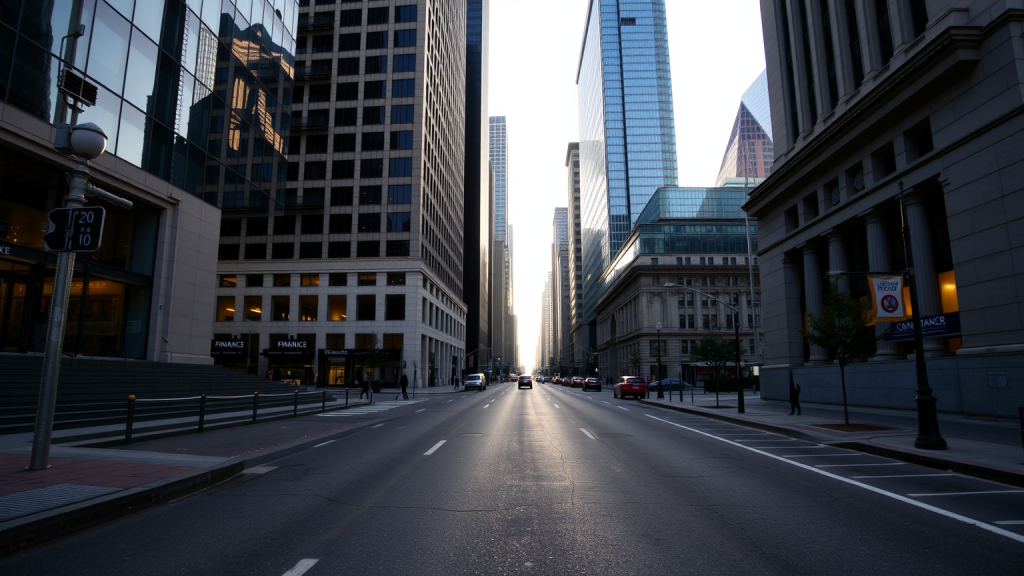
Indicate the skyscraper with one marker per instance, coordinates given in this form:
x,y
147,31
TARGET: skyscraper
x,y
750,152
627,129
560,287
499,159
477,208
578,330
361,248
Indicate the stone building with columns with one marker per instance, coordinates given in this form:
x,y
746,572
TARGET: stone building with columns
x,y
868,98
685,239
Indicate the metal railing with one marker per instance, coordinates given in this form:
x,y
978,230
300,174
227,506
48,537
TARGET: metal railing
x,y
233,403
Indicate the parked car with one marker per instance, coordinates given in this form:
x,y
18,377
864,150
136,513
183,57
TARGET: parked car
x,y
634,386
477,381
566,381
547,379
526,381
594,383
672,384
577,382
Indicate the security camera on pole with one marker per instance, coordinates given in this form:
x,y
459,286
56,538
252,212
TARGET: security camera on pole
x,y
74,228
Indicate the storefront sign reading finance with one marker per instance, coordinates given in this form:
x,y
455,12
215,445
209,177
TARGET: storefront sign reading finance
x,y
221,348
297,349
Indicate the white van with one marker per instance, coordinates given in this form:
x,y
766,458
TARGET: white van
x,y
478,381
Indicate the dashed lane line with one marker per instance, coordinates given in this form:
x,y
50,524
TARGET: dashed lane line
x,y
967,493
894,496
587,432
434,449
302,567
377,425
323,443
902,476
858,465
421,410
621,408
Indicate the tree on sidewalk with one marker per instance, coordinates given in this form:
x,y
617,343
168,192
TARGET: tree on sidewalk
x,y
716,352
636,361
841,328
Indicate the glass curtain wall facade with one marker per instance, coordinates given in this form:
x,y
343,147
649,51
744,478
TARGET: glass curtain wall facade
x,y
627,127
193,93
750,152
499,161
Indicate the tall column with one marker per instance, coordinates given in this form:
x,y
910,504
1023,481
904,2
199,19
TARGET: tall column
x,y
837,258
812,297
924,266
878,261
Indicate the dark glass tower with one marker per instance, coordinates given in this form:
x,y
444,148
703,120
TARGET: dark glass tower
x,y
478,213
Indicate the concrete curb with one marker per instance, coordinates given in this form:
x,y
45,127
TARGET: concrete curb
x,y
774,429
30,530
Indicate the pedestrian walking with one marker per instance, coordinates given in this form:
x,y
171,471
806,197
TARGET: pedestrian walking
x,y
404,383
366,386
794,396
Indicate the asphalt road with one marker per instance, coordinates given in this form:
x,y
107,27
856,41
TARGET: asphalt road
x,y
556,481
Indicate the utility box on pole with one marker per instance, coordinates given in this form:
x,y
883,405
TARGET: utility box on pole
x,y
78,229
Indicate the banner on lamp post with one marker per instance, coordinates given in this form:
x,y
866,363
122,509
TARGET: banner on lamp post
x,y
887,298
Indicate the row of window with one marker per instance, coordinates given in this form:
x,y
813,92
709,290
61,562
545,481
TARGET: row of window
x,y
710,322
354,17
370,141
346,169
314,250
351,42
334,279
685,346
314,224
309,308
348,91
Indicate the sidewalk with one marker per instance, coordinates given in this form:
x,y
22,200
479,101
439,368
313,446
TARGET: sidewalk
x,y
986,448
85,486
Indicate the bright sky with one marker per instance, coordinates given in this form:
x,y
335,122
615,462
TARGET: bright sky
x,y
716,50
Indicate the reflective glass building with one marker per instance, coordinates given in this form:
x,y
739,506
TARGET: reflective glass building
x,y
750,152
499,161
193,97
627,130
477,242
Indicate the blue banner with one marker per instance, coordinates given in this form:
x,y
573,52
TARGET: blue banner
x,y
931,327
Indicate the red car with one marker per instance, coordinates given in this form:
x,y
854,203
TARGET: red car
x,y
594,383
634,386
525,380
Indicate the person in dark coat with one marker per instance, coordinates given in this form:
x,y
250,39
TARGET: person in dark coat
x,y
366,386
404,383
794,396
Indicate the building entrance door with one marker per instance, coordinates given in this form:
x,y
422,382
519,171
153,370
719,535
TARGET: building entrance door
x,y
13,290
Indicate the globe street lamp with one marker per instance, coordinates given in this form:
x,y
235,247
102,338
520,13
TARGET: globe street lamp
x,y
736,325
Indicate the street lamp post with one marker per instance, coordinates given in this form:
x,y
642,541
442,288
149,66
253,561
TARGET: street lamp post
x,y
661,384
740,407
248,345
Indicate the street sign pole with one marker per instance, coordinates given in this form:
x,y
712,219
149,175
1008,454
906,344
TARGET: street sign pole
x,y
78,181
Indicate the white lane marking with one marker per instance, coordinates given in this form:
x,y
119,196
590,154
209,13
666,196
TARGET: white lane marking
x,y
487,406
377,425
967,493
323,444
259,470
450,401
858,465
894,496
769,440
621,408
301,568
1009,522
905,476
587,432
556,406
818,455
421,410
606,402
434,449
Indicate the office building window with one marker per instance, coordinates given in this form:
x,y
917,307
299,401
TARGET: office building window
x,y
256,226
376,65
310,280
400,194
401,140
405,38
394,307
405,13
341,224
338,279
339,249
399,222
368,279
347,91
323,44
228,252
351,18
345,116
403,63
396,278
368,249
282,251
225,309
311,249
373,141
377,40
308,308
371,168
366,307
400,167
369,223
403,88
348,66
341,196
230,227
344,143
256,251
397,248
254,308
337,308
378,16
402,114
313,224
369,195
349,42
279,308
